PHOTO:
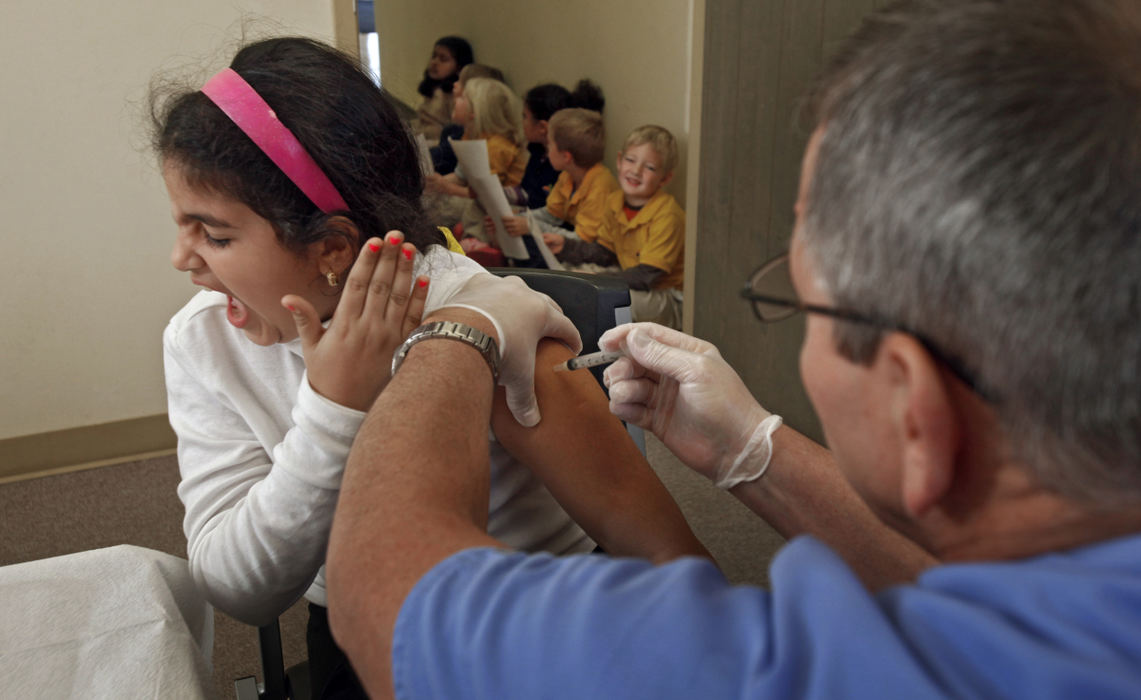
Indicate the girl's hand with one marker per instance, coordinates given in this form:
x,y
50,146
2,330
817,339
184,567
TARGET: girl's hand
x,y
349,362
554,241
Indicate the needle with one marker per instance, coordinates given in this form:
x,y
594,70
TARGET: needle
x,y
593,359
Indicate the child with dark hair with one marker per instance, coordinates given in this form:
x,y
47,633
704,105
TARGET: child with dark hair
x,y
539,105
449,55
270,369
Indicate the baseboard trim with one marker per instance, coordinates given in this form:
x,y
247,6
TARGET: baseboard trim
x,y
86,447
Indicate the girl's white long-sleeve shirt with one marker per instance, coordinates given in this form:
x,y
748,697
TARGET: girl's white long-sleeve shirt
x,y
261,457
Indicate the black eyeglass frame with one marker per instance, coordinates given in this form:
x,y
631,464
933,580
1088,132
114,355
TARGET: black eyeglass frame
x,y
796,306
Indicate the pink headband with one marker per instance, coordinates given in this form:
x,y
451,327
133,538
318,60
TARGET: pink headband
x,y
252,115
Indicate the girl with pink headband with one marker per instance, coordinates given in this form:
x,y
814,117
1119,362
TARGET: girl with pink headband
x,y
282,171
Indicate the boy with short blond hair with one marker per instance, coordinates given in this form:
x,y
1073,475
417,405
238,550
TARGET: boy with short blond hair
x,y
642,229
576,142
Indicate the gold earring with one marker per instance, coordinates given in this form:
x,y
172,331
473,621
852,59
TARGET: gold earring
x,y
331,277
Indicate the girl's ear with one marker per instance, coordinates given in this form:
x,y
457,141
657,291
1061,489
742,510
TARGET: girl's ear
x,y
338,249
542,124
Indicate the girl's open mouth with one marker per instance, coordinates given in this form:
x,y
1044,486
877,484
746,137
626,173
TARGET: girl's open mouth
x,y
236,312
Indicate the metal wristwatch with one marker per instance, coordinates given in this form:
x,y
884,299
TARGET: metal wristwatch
x,y
450,330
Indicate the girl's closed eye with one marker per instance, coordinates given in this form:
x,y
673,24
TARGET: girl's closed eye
x,y
214,242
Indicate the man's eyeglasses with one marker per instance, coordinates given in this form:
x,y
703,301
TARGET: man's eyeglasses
x,y
774,298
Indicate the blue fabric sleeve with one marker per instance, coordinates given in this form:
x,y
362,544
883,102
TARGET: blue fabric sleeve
x,y
490,624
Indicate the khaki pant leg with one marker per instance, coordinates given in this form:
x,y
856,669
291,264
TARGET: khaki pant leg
x,y
657,306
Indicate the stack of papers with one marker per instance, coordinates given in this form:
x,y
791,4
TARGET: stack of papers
x,y
472,156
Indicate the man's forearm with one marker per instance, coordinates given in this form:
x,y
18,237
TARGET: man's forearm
x,y
803,492
415,491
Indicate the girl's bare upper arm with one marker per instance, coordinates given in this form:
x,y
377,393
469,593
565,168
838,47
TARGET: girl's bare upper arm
x,y
588,461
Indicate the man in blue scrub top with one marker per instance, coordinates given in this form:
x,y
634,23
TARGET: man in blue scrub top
x,y
968,252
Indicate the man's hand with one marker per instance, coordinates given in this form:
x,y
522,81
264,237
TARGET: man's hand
x,y
681,389
522,317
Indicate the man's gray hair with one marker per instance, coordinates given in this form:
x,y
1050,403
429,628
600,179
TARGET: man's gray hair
x,y
978,182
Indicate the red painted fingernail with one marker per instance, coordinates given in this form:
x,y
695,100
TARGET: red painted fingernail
x,y
394,239
373,247
291,308
422,282
408,253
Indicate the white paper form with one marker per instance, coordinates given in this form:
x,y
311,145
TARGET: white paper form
x,y
472,156
534,232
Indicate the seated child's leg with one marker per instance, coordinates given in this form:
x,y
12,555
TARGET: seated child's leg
x,y
657,306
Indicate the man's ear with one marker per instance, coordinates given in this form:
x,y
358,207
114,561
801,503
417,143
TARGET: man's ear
x,y
337,251
925,421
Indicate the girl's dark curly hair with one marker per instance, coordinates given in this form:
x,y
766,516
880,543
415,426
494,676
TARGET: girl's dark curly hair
x,y
337,113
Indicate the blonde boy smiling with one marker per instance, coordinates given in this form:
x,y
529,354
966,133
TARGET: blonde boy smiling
x,y
642,229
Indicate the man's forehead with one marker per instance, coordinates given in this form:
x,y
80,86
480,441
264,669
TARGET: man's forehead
x,y
807,170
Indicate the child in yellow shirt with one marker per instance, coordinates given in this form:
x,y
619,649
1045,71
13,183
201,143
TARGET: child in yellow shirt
x,y
642,229
576,141
488,110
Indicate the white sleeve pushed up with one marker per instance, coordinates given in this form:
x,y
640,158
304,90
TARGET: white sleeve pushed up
x,y
261,456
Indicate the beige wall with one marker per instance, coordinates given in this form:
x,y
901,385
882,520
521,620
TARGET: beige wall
x,y
87,287
638,51
86,230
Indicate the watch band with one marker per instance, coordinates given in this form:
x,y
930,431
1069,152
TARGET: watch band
x,y
450,330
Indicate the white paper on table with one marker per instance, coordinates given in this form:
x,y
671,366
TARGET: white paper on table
x,y
490,194
548,257
120,622
426,165
472,156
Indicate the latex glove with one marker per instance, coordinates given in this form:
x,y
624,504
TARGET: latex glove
x,y
522,317
680,388
350,362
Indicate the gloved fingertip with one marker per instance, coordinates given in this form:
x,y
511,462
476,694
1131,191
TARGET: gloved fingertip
x,y
638,340
527,414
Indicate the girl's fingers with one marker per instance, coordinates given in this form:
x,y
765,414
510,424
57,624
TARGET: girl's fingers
x,y
357,285
384,277
305,318
415,313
